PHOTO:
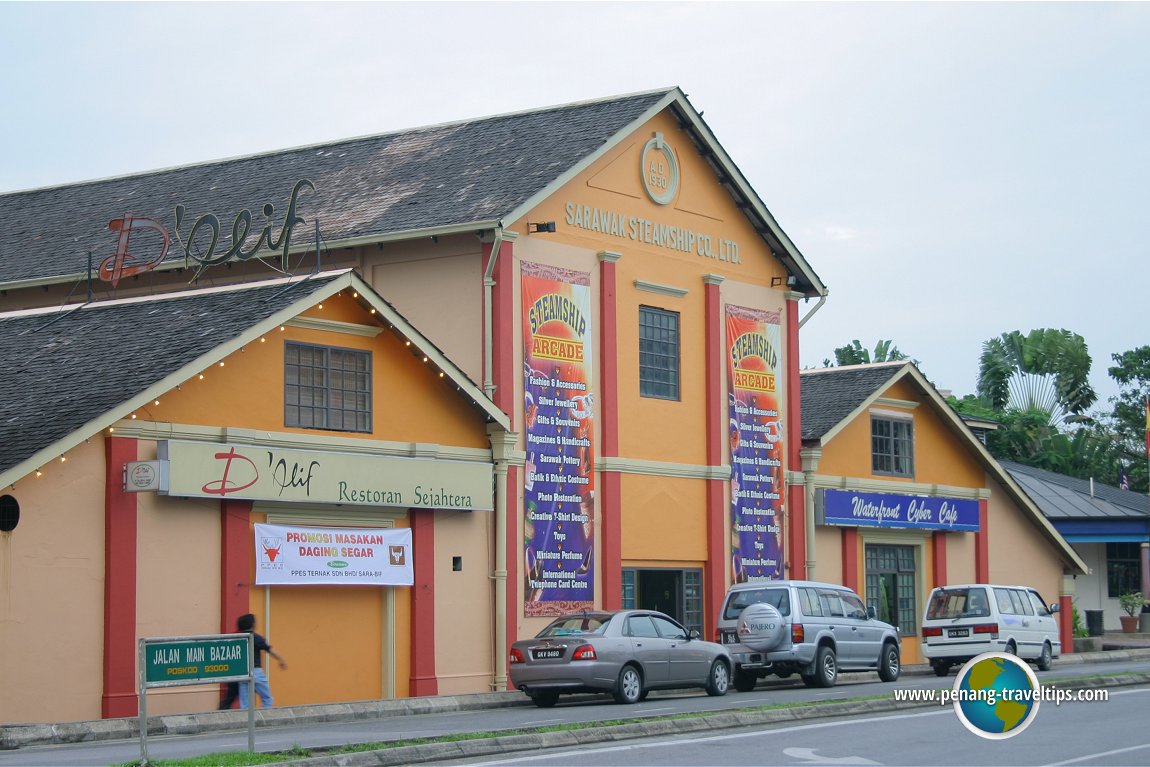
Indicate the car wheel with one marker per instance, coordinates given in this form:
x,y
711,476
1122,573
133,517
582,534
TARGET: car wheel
x,y
545,699
1046,658
745,682
889,665
826,667
643,695
940,669
1011,649
719,679
629,686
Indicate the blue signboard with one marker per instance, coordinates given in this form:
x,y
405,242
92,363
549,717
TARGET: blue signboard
x,y
920,512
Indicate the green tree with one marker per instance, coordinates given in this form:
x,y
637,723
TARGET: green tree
x,y
1045,370
855,353
1127,419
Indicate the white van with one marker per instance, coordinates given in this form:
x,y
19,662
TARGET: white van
x,y
967,620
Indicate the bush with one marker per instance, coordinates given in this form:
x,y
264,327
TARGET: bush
x,y
1076,626
1131,603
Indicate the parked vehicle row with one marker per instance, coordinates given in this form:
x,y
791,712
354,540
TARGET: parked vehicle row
x,y
780,628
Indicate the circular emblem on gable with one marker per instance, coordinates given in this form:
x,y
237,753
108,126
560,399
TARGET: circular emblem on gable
x,y
659,170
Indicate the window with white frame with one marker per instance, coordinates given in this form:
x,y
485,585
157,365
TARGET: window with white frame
x,y
892,445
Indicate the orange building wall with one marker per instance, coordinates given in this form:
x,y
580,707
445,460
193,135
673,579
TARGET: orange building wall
x,y
663,520
410,402
940,457
52,593
1018,553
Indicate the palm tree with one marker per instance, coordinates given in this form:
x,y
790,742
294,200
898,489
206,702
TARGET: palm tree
x,y
855,353
1046,370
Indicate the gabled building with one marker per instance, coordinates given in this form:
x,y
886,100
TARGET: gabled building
x,y
1107,526
625,304
902,497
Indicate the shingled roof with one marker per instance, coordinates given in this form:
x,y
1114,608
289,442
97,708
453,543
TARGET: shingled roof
x,y
830,395
472,175
79,369
428,178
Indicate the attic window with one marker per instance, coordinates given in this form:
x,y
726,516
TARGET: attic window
x,y
326,387
892,445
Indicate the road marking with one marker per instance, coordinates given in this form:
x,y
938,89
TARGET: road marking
x,y
537,757
1099,755
808,755
545,721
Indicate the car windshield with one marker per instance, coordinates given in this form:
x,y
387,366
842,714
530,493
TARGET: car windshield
x,y
958,603
741,600
572,625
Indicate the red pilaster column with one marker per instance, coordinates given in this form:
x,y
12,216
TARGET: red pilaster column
x,y
796,495
237,545
938,558
1065,622
982,544
120,698
850,541
423,680
715,573
610,501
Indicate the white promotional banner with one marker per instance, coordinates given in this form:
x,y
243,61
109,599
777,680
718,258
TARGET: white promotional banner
x,y
304,555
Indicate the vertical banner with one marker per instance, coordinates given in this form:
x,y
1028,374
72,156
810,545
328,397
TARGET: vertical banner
x,y
756,439
559,479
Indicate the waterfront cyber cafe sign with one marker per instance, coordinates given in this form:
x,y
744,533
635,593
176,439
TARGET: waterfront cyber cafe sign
x,y
213,470
848,508
134,255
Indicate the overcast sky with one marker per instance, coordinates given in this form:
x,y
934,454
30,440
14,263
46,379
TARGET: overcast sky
x,y
951,171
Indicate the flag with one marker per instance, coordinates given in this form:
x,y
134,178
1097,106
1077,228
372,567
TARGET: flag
x,y
1123,479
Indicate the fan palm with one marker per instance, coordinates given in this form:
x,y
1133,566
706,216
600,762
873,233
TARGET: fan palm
x,y
1046,370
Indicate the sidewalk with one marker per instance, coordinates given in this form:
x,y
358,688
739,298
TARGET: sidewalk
x,y
12,736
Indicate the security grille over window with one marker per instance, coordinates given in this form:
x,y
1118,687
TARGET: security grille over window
x,y
658,353
892,446
327,388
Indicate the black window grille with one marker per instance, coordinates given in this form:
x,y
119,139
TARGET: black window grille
x,y
892,446
327,388
658,353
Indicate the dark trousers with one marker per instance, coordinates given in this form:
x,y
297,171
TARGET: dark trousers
x,y
230,696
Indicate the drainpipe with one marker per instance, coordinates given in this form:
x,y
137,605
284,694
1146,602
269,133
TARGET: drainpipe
x,y
488,285
810,457
811,313
502,445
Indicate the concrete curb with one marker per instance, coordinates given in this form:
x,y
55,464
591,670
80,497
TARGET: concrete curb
x,y
571,738
14,736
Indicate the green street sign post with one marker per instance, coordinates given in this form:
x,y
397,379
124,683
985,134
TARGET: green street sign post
x,y
178,661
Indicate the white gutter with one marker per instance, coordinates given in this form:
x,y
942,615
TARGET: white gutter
x,y
488,284
811,313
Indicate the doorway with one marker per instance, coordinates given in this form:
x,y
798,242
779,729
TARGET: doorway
x,y
678,593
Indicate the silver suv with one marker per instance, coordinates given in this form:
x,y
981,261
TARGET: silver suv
x,y
812,629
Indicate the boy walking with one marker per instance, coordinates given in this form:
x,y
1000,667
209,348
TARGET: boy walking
x,y
247,623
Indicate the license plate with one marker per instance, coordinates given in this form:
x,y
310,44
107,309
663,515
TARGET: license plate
x,y
729,637
549,654
958,632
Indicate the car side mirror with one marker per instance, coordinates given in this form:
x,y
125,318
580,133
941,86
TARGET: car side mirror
x,y
694,634
870,613
1054,607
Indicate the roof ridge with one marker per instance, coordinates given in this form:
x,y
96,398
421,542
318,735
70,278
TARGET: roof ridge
x,y
860,366
340,141
233,287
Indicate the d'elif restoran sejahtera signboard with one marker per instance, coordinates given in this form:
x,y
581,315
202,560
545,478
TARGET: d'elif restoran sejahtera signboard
x,y
213,470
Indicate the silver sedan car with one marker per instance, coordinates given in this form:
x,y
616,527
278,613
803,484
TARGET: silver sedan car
x,y
626,653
